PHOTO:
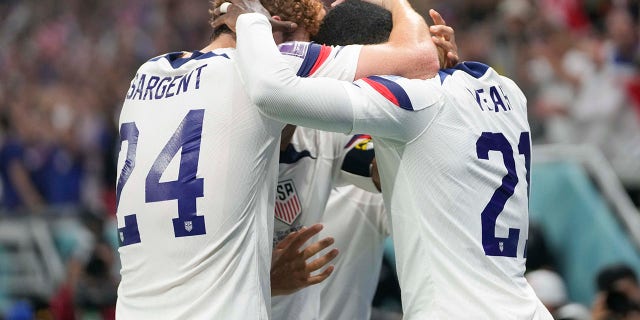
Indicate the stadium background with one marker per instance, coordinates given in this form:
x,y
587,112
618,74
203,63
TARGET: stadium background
x,y
66,65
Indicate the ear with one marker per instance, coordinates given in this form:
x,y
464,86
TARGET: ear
x,y
276,18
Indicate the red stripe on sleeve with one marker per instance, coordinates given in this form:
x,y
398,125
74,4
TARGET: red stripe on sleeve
x,y
325,51
383,90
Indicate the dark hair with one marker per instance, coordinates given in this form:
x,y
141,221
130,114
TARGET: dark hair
x,y
609,275
355,22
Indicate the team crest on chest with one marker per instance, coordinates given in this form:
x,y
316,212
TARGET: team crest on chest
x,y
287,202
188,225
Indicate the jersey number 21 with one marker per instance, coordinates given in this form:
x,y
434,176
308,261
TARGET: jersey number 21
x,y
488,141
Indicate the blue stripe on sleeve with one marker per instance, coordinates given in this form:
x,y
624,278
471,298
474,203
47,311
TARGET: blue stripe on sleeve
x,y
309,60
397,90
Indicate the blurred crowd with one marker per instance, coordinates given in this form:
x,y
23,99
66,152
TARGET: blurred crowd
x,y
578,62
66,65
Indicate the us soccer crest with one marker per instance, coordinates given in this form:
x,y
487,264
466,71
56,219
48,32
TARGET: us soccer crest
x,y
287,202
188,225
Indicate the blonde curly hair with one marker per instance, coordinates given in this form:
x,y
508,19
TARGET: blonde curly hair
x,y
303,12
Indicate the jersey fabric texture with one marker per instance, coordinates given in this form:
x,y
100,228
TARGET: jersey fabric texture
x,y
455,177
453,153
309,167
356,219
196,189
307,171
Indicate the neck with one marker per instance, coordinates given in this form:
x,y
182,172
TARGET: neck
x,y
224,40
300,34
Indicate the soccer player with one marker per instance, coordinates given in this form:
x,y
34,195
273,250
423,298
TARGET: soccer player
x,y
356,219
453,150
312,161
197,177
195,191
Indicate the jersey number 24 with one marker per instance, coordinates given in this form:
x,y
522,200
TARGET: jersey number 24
x,y
185,189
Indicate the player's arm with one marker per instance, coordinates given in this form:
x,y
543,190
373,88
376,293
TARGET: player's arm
x,y
290,270
356,61
409,52
382,105
277,90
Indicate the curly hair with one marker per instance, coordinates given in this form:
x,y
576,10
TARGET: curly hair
x,y
303,12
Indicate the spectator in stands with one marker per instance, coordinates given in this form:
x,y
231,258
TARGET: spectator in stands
x,y
90,49
550,288
18,191
618,294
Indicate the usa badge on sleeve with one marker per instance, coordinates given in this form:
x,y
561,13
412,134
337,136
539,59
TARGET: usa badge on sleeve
x,y
288,206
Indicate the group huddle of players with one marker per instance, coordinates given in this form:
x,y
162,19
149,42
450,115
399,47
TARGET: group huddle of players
x,y
262,134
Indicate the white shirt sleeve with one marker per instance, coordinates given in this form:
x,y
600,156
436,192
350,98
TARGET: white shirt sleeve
x,y
319,103
395,108
379,106
315,60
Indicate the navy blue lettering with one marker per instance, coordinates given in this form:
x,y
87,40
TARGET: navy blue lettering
x,y
497,96
160,95
153,81
159,88
199,69
497,100
184,83
171,85
133,87
480,98
477,97
506,99
140,87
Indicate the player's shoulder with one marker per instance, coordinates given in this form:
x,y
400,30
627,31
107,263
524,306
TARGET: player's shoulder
x,y
472,69
318,59
408,94
175,60
302,49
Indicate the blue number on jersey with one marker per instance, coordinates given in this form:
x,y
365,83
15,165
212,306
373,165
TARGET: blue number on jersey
x,y
186,189
494,246
129,233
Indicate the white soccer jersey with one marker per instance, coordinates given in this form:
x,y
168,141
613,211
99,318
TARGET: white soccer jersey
x,y
309,167
357,221
453,154
196,188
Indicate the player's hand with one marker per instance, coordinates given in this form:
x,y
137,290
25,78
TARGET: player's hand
x,y
290,270
444,38
238,7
